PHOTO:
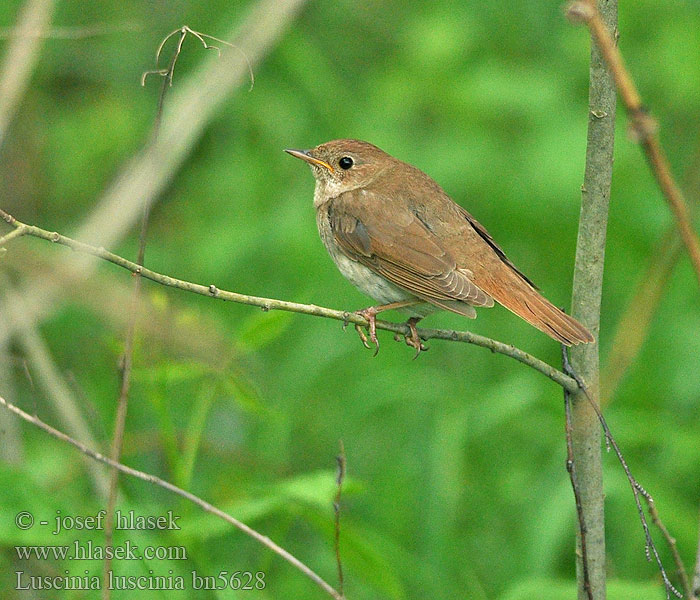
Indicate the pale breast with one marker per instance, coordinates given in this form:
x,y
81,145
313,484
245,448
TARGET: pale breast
x,y
363,278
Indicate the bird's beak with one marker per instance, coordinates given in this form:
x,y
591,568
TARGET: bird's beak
x,y
306,155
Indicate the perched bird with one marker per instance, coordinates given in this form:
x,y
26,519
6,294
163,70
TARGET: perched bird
x,y
398,237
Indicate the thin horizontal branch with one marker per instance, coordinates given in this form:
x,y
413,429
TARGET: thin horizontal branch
x,y
191,107
203,504
568,383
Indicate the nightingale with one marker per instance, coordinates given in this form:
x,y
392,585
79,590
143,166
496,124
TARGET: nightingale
x,y
399,238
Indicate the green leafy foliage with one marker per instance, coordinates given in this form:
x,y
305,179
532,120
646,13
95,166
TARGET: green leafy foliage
x,y
456,484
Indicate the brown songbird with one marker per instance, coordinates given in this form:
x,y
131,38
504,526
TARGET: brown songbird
x,y
399,238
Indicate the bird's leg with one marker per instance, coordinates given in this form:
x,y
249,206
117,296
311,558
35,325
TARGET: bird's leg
x,y
414,340
370,314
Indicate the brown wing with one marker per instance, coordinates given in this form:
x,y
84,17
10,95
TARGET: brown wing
x,y
409,250
403,250
486,236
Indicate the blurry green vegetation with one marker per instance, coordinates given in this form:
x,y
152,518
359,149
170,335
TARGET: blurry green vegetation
x,y
456,487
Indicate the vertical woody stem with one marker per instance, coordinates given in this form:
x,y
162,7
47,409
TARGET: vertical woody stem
x,y
588,282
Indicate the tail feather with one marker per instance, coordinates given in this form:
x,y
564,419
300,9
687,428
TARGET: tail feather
x,y
541,313
521,298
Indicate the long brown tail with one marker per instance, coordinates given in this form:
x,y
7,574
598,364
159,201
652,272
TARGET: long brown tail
x,y
518,296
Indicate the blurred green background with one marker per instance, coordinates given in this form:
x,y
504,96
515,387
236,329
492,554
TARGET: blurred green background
x,y
456,483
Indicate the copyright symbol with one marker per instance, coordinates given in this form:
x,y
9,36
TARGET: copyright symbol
x,y
24,520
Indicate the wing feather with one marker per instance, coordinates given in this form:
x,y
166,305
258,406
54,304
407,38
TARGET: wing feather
x,y
403,250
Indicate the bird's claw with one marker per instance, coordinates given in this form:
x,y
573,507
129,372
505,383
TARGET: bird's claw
x,y
413,340
371,315
363,337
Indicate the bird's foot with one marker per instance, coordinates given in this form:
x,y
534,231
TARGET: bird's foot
x,y
371,315
413,340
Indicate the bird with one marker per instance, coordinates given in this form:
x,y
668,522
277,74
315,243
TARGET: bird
x,y
395,234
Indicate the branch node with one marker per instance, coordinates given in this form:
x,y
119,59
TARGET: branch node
x,y
213,291
579,12
145,74
18,231
9,219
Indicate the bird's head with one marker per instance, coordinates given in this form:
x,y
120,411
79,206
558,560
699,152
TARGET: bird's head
x,y
343,165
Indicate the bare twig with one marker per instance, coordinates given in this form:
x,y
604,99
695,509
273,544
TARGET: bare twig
x,y
671,541
571,468
643,127
190,108
202,37
336,508
637,491
122,408
601,19
586,300
106,294
264,540
128,356
118,434
19,232
308,309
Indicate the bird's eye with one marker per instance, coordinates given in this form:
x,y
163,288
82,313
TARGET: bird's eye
x,y
345,163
